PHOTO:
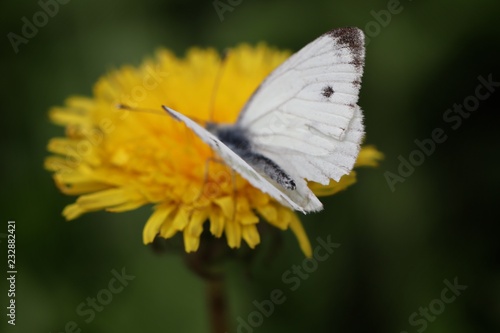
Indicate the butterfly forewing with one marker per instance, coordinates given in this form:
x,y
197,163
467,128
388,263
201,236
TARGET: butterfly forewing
x,y
305,112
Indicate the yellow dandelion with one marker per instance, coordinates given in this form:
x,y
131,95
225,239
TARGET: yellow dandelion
x,y
117,160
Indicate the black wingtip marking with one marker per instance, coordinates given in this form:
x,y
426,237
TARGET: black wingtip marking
x,y
327,91
353,39
350,37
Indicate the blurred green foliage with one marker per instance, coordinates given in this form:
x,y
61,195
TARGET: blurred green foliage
x,y
397,247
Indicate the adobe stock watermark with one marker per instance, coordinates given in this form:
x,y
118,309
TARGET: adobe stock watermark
x,y
452,117
88,309
30,26
95,136
222,6
420,319
292,278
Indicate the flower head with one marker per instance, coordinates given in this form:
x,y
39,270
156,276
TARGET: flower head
x,y
118,160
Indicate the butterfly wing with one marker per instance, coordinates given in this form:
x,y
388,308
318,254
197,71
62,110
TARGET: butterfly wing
x,y
244,169
304,115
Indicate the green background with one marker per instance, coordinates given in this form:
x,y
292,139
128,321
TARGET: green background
x,y
397,247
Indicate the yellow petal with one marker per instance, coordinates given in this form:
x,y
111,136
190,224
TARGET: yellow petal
x,y
195,226
81,188
107,198
194,230
155,221
227,204
250,235
233,233
131,205
72,211
217,221
298,230
63,146
283,218
268,212
57,164
181,218
257,198
191,243
369,156
62,116
74,183
247,217
333,187
74,177
77,151
80,103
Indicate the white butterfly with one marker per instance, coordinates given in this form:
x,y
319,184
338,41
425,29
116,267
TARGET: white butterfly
x,y
301,124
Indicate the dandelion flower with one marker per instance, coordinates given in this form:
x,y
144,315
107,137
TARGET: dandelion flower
x,y
117,160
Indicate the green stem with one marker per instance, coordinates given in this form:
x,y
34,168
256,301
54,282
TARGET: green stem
x,y
217,304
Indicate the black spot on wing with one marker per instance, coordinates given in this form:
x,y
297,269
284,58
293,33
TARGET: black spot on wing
x,y
327,91
351,38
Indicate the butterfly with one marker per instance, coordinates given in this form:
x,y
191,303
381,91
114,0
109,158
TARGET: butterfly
x,y
301,124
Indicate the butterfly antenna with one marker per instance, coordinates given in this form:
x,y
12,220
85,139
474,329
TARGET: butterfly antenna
x,y
235,194
142,110
218,78
152,111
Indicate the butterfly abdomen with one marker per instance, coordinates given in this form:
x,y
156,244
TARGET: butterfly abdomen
x,y
236,139
271,169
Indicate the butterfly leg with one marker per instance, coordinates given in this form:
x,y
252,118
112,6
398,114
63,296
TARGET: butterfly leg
x,y
213,188
235,194
209,189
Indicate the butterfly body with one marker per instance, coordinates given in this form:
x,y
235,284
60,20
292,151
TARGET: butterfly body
x,y
301,124
236,139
